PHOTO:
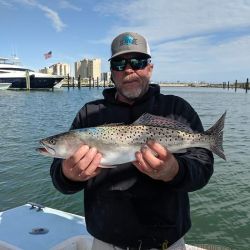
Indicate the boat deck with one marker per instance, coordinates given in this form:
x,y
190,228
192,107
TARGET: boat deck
x,y
29,229
33,226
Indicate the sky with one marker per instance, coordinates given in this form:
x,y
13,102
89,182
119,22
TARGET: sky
x,y
190,40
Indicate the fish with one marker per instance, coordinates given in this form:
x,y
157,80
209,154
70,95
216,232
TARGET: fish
x,y
118,143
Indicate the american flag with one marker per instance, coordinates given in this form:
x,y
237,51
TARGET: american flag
x,y
48,55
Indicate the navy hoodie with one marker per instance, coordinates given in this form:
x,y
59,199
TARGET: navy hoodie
x,y
125,207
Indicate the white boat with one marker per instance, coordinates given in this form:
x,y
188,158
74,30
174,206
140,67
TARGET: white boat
x,y
23,78
33,226
5,85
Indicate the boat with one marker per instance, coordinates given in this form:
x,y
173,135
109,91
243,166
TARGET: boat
x,y
5,85
34,226
24,78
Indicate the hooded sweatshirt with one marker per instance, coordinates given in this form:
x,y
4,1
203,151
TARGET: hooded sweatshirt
x,y
125,207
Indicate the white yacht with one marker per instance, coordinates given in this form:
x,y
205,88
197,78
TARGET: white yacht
x,y
19,77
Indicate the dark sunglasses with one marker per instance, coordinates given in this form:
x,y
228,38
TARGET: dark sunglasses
x,y
119,64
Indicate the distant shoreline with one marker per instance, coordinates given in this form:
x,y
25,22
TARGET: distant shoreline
x,y
190,85
161,84
164,85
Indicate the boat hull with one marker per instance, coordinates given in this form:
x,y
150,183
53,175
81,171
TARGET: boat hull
x,y
35,82
24,78
4,85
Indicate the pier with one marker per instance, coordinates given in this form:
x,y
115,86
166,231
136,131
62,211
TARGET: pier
x,y
236,85
71,82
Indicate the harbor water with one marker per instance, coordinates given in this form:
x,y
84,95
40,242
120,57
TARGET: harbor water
x,y
220,211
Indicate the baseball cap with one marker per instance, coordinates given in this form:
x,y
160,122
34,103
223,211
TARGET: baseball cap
x,y
128,42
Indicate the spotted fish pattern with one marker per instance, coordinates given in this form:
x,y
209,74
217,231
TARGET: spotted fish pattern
x,y
118,143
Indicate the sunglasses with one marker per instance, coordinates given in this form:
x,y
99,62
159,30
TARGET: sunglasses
x,y
119,64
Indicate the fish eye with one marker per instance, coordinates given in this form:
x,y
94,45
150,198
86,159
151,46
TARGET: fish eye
x,y
52,141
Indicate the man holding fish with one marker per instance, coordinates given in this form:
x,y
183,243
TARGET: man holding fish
x,y
137,168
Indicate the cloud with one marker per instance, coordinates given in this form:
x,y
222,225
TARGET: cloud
x,y
67,5
52,15
197,59
176,19
5,3
189,39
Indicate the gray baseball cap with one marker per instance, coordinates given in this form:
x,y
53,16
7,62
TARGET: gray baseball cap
x,y
128,42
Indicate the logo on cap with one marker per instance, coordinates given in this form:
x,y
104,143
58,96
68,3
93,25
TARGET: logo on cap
x,y
128,40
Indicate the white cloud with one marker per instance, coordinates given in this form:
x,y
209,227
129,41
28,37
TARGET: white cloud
x,y
5,3
52,15
190,39
165,19
196,59
67,5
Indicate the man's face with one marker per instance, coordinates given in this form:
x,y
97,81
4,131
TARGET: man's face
x,y
131,83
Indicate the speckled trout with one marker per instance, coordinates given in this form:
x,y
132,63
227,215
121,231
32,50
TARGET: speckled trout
x,y
118,143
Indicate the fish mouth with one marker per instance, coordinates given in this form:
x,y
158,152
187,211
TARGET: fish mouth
x,y
46,150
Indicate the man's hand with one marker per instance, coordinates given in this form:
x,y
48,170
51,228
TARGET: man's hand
x,y
83,164
157,162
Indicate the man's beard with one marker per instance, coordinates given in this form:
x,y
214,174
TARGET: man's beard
x,y
132,94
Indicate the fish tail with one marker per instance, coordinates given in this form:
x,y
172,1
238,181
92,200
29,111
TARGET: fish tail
x,y
216,132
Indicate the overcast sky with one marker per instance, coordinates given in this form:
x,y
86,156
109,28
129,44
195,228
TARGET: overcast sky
x,y
190,40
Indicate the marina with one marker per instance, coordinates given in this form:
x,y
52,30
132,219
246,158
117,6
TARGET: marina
x,y
70,51
18,77
220,211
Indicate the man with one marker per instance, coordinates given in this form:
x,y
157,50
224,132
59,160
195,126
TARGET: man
x,y
143,204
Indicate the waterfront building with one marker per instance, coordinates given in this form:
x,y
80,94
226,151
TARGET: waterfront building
x,y
105,76
88,68
46,70
61,69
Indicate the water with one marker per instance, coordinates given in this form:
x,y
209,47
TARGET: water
x,y
220,211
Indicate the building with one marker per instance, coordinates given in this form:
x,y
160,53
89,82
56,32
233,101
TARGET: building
x,y
88,68
46,70
105,76
61,69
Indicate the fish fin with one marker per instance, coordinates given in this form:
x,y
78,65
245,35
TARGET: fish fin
x,y
159,121
216,131
218,152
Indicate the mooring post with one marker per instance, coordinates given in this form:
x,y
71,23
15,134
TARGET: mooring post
x,y
90,82
228,85
27,75
79,82
68,81
235,86
97,82
247,85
